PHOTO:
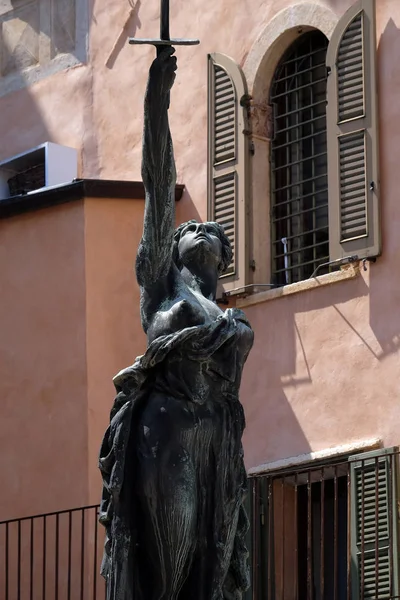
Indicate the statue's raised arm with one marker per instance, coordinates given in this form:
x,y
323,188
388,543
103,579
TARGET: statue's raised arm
x,y
154,258
174,480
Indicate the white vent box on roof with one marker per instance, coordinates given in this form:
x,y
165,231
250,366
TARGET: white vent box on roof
x,y
44,166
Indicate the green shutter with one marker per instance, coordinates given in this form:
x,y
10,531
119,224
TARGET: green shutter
x,y
352,135
227,159
374,525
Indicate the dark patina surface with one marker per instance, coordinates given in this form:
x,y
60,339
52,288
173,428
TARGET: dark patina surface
x,y
172,459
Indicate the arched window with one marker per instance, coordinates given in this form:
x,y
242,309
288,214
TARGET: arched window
x,y
299,170
319,125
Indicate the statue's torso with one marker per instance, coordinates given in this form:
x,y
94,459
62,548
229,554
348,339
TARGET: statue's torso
x,y
184,308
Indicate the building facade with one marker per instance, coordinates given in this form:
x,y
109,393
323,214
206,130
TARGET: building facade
x,y
285,129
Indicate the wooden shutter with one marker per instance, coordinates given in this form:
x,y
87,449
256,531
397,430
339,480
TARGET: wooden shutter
x,y
227,160
352,130
374,524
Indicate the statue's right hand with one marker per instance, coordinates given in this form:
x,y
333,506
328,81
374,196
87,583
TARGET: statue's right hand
x,y
162,71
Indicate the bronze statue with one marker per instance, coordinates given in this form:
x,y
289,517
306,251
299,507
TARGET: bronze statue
x,y
172,458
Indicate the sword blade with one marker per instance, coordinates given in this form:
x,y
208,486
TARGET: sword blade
x,y
164,20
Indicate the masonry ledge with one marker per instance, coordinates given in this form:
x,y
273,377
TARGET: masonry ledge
x,y
316,456
351,271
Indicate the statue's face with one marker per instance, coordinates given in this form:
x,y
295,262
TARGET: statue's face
x,y
199,243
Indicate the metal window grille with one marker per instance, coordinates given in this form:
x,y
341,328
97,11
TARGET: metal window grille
x,y
299,198
326,532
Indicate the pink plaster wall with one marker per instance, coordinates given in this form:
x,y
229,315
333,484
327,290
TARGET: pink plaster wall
x,y
325,366
43,428
114,335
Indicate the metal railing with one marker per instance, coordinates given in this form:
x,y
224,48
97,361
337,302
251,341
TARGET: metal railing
x,y
53,556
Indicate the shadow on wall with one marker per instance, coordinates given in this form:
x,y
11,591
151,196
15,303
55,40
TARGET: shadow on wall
x,y
186,209
384,279
132,24
23,22
22,121
34,33
271,417
283,350
273,430
37,39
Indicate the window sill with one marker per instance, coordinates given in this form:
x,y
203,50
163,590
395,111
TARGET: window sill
x,y
347,272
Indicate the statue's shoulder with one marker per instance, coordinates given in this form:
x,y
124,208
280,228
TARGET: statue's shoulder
x,y
238,315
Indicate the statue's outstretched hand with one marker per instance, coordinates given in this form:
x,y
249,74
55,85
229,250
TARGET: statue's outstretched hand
x,y
162,71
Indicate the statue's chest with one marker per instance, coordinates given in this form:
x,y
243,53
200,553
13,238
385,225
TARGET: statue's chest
x,y
182,311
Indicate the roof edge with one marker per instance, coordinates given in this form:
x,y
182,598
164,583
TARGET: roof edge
x,y
76,190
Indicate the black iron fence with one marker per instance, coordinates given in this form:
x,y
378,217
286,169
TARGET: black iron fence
x,y
53,556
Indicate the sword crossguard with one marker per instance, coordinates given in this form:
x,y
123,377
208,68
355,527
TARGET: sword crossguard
x,y
160,42
164,39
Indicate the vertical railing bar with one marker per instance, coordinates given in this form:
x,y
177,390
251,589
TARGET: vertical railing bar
x,y
6,562
349,535
95,549
287,194
31,562
30,568
313,168
300,167
82,552
390,499
322,548
362,525
56,557
259,517
19,562
255,527
270,537
309,538
44,559
376,527
283,537
69,555
296,555
335,533
289,149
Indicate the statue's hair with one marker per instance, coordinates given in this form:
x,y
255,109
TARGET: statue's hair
x,y
219,231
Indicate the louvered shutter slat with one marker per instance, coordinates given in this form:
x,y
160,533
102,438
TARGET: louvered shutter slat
x,y
226,169
354,223
374,524
354,227
224,116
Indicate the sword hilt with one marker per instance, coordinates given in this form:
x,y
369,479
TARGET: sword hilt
x,y
165,39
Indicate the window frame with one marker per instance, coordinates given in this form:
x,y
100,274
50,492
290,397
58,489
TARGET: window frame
x,y
262,527
258,71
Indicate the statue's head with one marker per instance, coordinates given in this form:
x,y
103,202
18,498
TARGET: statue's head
x,y
204,243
